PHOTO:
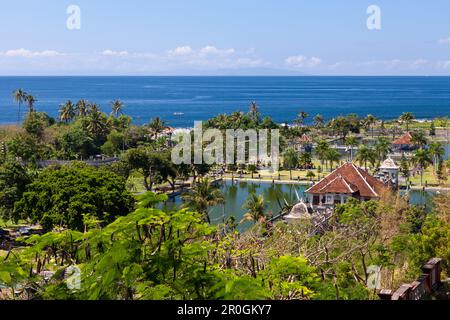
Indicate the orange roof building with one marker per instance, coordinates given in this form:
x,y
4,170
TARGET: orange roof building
x,y
345,182
405,139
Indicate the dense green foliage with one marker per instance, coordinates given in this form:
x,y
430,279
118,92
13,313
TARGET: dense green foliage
x,y
13,182
62,196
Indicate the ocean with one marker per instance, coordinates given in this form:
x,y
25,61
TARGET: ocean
x,y
182,100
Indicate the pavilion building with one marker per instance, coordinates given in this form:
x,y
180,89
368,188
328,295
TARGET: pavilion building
x,y
347,181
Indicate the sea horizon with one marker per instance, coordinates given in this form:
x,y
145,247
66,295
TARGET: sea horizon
x,y
181,100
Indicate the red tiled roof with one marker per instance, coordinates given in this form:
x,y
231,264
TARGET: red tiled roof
x,y
339,185
404,139
304,139
349,179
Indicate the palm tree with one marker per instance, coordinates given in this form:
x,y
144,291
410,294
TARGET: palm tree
x,y
157,126
419,139
407,118
333,156
116,107
370,122
236,118
437,151
382,148
304,159
404,169
254,112
351,142
290,160
321,150
67,112
82,108
300,120
93,108
19,96
202,196
318,121
422,158
255,207
365,154
30,102
96,123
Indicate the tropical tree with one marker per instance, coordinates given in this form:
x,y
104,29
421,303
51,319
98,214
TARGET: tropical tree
x,y
96,122
93,107
254,113
310,175
116,107
67,112
30,100
321,150
202,196
351,142
422,158
151,164
407,118
82,108
333,156
255,207
369,122
365,154
157,126
19,96
252,168
13,182
404,168
437,152
304,159
300,120
382,148
419,139
290,160
318,121
60,197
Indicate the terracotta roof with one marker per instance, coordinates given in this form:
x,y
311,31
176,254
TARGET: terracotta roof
x,y
349,179
304,139
339,185
404,139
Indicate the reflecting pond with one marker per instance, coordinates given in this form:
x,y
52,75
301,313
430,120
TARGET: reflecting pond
x,y
236,194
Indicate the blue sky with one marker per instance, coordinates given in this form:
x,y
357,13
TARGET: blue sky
x,y
189,37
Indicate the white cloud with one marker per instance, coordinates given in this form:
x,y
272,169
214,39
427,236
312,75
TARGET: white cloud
x,y
444,40
115,53
181,51
29,54
211,50
443,64
419,62
302,61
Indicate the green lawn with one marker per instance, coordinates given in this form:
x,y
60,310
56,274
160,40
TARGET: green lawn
x,y
428,177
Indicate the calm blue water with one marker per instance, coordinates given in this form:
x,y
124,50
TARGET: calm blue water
x,y
200,98
236,194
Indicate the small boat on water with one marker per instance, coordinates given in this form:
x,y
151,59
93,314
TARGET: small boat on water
x,y
178,113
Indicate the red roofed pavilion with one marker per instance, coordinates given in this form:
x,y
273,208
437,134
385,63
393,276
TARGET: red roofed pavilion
x,y
404,140
345,182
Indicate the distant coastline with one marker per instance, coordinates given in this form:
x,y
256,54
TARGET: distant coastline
x,y
203,97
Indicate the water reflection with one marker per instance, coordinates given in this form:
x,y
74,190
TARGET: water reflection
x,y
236,195
275,196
